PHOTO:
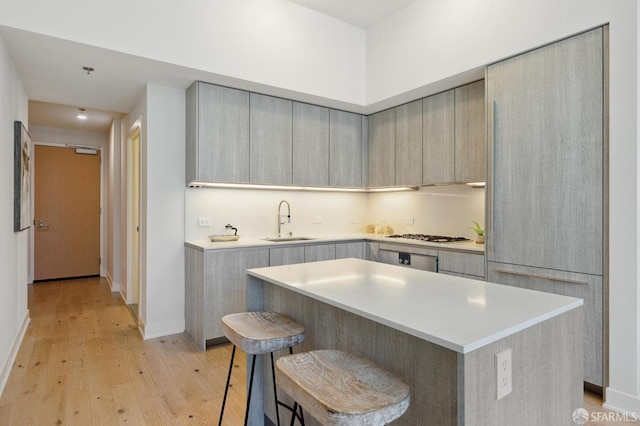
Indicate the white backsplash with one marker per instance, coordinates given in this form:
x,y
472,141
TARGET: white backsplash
x,y
444,210
254,212
436,210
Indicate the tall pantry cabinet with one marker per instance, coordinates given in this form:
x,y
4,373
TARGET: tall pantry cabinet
x,y
547,141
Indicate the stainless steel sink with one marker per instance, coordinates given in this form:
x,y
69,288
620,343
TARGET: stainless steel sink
x,y
286,239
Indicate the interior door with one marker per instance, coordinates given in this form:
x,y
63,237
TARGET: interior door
x,y
66,213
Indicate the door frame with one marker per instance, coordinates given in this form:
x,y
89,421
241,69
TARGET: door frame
x,y
31,248
134,130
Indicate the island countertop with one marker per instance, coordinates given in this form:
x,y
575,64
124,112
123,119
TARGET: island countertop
x,y
460,314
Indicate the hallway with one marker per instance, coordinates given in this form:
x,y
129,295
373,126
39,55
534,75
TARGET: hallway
x,y
83,362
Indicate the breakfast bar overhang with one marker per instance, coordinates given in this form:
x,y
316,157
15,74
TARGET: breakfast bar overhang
x,y
439,333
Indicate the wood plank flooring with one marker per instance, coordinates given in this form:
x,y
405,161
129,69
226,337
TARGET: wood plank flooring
x,y
83,362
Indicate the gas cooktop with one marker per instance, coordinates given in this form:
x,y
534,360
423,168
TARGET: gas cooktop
x,y
429,238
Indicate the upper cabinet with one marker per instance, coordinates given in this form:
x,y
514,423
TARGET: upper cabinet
x,y
310,145
382,148
470,133
346,145
217,137
271,140
438,149
435,140
243,137
409,144
238,136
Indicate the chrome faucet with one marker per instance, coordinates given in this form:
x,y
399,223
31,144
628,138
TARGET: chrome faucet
x,y
281,216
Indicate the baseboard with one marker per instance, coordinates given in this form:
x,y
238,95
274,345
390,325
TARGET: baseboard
x,y
6,369
114,286
167,328
621,402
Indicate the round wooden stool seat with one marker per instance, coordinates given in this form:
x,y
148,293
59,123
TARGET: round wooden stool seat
x,y
262,332
338,388
258,333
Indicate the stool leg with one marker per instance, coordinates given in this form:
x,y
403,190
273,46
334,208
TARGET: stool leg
x,y
293,416
301,417
275,392
253,368
226,389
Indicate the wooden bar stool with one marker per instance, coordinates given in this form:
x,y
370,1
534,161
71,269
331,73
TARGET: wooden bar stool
x,y
259,333
338,388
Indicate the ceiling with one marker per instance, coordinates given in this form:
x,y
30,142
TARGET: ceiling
x,y
51,69
360,13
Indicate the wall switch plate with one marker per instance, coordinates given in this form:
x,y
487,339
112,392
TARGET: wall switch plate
x,y
354,219
503,373
317,219
204,222
409,220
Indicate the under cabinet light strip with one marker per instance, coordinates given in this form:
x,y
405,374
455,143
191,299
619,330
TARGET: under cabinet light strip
x,y
297,188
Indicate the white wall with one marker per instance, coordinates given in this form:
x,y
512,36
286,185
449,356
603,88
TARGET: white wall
x,y
254,212
162,233
429,41
113,207
272,42
14,316
54,135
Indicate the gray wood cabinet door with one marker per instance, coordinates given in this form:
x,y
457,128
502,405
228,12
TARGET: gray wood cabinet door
x,y
350,250
310,145
217,134
318,252
409,144
469,264
438,138
226,285
583,286
345,149
382,148
271,140
546,179
286,256
470,152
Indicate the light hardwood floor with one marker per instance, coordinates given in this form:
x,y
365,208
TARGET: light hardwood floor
x,y
83,362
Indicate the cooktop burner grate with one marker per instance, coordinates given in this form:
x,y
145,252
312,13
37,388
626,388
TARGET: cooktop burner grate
x,y
429,238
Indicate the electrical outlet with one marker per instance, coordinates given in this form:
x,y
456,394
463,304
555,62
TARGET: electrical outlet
x,y
503,373
317,219
409,221
204,222
354,219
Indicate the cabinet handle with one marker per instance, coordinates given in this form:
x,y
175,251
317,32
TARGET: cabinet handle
x,y
492,185
526,274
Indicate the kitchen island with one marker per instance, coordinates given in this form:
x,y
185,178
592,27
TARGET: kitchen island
x,y
439,333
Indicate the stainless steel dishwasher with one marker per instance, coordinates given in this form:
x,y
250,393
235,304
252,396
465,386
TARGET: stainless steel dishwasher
x,y
423,262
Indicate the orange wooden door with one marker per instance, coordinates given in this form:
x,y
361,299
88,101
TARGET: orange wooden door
x,y
66,213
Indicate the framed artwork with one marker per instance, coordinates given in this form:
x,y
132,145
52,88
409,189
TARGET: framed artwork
x,y
22,178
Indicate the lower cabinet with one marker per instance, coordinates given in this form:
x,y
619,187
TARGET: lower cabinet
x,y
350,250
468,265
583,286
318,252
286,256
216,280
216,285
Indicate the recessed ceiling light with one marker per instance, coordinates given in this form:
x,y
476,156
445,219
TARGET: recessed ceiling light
x,y
81,115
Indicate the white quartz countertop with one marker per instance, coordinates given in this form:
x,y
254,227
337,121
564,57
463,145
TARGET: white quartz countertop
x,y
458,313
243,242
